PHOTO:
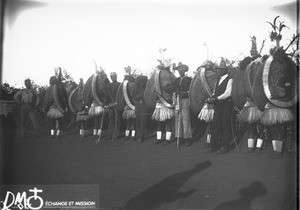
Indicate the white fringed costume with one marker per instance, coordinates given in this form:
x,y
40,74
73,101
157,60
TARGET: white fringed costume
x,y
54,112
95,109
250,113
207,112
162,112
128,113
273,115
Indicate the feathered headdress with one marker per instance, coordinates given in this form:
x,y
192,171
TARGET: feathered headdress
x,y
130,72
276,33
102,73
165,65
208,65
128,69
58,74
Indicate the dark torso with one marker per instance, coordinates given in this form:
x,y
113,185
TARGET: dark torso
x,y
113,88
220,89
183,85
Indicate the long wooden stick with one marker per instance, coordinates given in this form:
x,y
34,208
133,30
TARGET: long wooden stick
x,y
234,136
101,125
179,120
178,127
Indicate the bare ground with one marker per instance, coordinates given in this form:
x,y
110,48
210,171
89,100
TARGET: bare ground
x,y
134,175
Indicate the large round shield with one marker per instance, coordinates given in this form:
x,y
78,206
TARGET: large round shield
x,y
60,96
125,95
48,100
202,87
76,100
87,91
268,81
56,94
242,86
94,89
251,71
158,84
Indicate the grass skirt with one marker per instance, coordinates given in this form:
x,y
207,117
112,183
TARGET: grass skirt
x,y
54,113
162,113
95,110
250,114
276,115
128,113
207,113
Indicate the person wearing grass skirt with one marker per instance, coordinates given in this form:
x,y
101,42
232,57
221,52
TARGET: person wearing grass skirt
x,y
129,110
164,109
55,105
277,120
96,111
250,115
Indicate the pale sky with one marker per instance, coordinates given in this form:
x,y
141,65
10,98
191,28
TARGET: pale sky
x,y
117,33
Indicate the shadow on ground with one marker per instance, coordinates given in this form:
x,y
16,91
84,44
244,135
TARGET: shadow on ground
x,y
248,194
166,191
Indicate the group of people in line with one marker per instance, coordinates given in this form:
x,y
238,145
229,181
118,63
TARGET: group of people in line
x,y
176,107
99,98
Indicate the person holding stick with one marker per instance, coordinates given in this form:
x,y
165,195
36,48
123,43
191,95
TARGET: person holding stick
x,y
183,131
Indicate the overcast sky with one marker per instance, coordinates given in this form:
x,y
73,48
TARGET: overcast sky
x,y
42,35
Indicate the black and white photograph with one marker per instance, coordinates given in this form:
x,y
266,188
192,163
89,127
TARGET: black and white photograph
x,y
149,104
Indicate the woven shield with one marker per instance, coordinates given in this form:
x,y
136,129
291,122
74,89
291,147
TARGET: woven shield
x,y
76,100
87,91
259,96
160,84
60,97
149,95
120,100
93,88
56,94
238,93
48,100
266,83
201,88
127,91
251,71
125,94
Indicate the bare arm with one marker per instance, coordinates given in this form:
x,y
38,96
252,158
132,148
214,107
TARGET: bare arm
x,y
227,92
